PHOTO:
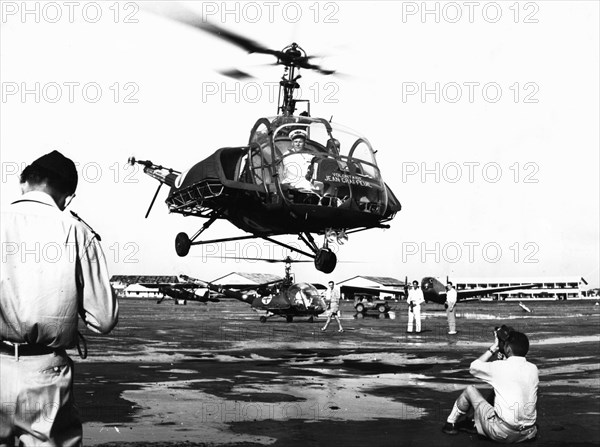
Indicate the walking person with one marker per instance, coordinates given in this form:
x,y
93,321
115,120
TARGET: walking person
x,y
332,298
53,269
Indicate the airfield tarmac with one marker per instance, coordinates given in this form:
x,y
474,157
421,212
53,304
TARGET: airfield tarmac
x,y
214,375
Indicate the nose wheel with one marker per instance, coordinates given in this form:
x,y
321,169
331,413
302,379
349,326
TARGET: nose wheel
x,y
325,260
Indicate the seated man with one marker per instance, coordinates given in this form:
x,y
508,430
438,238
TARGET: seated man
x,y
296,164
515,382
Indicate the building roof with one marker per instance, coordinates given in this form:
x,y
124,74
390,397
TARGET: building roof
x,y
383,280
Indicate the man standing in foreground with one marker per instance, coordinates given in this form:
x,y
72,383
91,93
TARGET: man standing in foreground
x,y
414,300
515,382
451,297
332,298
53,269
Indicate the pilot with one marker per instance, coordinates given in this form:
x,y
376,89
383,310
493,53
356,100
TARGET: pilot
x,y
296,164
298,138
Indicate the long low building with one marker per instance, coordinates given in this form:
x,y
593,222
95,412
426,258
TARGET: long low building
x,y
558,288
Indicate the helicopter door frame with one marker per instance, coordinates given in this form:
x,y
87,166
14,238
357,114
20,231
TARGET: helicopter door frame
x,y
255,145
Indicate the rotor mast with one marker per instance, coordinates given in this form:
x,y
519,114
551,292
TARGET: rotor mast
x,y
291,56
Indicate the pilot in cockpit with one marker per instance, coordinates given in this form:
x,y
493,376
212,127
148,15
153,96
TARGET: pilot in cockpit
x,y
298,138
296,164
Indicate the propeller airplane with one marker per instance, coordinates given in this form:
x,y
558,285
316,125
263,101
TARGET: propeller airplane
x,y
434,291
297,174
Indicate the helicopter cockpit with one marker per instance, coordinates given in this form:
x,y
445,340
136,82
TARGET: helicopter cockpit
x,y
334,167
304,295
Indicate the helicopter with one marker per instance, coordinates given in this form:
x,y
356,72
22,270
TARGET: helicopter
x,y
331,186
181,292
284,297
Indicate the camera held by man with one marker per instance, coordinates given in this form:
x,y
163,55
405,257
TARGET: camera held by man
x,y
512,414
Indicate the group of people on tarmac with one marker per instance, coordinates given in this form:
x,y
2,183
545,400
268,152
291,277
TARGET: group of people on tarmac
x,y
416,298
41,299
508,414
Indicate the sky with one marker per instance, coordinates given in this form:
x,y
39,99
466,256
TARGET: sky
x,y
484,116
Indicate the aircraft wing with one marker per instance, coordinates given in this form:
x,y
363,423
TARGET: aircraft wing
x,y
471,293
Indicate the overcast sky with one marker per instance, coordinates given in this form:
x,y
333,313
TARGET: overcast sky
x,y
485,117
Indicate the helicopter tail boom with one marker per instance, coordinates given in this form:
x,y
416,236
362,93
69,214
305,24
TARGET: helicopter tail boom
x,y
164,175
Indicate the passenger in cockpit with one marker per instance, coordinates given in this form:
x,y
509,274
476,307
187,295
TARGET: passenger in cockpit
x,y
333,147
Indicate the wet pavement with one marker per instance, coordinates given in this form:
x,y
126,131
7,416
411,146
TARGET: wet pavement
x,y
214,375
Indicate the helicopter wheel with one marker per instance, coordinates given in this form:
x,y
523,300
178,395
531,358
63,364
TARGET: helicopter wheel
x,y
263,319
325,261
182,244
310,319
289,318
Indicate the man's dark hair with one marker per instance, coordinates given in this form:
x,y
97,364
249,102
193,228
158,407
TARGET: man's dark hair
x,y
519,343
37,175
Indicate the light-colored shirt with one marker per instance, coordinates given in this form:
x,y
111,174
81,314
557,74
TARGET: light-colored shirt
x,y
451,297
332,296
295,167
53,269
415,296
515,382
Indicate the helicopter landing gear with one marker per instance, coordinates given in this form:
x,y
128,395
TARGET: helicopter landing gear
x,y
263,319
289,318
182,244
325,260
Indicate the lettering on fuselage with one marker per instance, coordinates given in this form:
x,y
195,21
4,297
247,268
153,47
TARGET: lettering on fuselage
x,y
346,178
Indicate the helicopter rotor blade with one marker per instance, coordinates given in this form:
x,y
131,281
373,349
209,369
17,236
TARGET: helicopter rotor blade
x,y
270,260
185,16
181,14
236,74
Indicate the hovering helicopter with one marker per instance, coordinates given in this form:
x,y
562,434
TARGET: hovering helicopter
x,y
284,298
330,185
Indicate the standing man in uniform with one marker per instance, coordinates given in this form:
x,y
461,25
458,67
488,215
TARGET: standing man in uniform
x,y
414,300
53,269
332,298
450,305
